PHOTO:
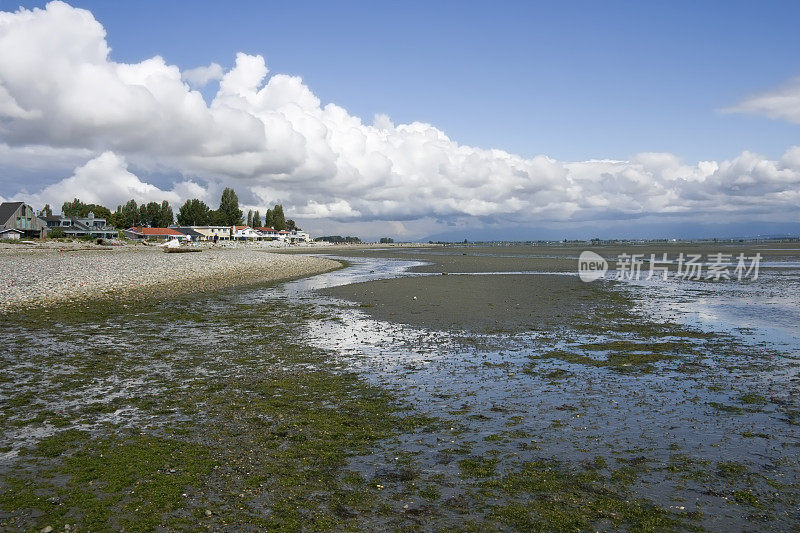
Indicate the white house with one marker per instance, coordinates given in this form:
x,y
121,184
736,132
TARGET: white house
x,y
246,233
298,236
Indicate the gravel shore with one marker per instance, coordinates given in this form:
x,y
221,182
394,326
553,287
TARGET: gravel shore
x,y
38,276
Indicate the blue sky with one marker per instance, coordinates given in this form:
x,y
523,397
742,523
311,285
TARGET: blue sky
x,y
573,80
693,109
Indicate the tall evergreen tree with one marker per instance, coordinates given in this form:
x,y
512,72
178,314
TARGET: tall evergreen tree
x,y
278,220
194,212
46,211
115,218
218,218
152,215
250,217
142,215
268,220
167,216
130,214
229,213
256,219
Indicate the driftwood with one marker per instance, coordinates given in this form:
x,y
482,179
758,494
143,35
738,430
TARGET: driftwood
x,y
168,250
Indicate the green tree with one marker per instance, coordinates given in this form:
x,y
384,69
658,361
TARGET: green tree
x,y
152,214
167,217
99,211
229,213
116,218
218,218
278,220
55,233
71,209
250,217
194,212
291,225
46,211
130,215
268,219
76,208
256,219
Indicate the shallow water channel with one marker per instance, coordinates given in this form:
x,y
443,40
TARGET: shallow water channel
x,y
660,404
713,431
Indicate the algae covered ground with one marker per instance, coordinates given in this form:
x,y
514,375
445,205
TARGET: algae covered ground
x,y
180,414
281,408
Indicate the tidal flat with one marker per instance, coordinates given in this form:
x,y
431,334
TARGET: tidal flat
x,y
507,395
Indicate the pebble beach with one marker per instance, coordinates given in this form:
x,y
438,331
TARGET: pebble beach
x,y
41,275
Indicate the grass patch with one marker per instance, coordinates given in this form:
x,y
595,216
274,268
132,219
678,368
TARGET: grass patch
x,y
477,467
558,498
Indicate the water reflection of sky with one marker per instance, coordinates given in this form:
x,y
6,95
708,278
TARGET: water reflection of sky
x,y
599,412
766,309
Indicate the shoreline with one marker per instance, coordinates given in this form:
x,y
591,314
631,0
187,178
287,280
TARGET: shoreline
x,y
36,278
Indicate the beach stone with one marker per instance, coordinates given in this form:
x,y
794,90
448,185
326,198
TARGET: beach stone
x,y
60,272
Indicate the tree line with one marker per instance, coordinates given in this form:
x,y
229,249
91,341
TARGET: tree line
x,y
338,239
193,212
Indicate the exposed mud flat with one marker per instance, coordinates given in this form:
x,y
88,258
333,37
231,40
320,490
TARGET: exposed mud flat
x,y
305,405
479,303
690,391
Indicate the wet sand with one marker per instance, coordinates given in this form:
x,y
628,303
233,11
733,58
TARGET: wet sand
x,y
484,303
508,302
277,408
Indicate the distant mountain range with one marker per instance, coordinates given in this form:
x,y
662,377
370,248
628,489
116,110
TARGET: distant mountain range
x,y
629,230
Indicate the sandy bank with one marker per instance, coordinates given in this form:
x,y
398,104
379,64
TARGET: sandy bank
x,y
41,276
475,303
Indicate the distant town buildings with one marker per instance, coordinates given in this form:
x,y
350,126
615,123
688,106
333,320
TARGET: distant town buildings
x,y
18,220
221,233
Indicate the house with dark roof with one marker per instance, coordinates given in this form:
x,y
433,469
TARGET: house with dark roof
x,y
191,233
213,233
21,216
88,226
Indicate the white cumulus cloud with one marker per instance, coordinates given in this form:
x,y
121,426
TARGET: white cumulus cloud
x,y
201,76
271,138
780,103
106,180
